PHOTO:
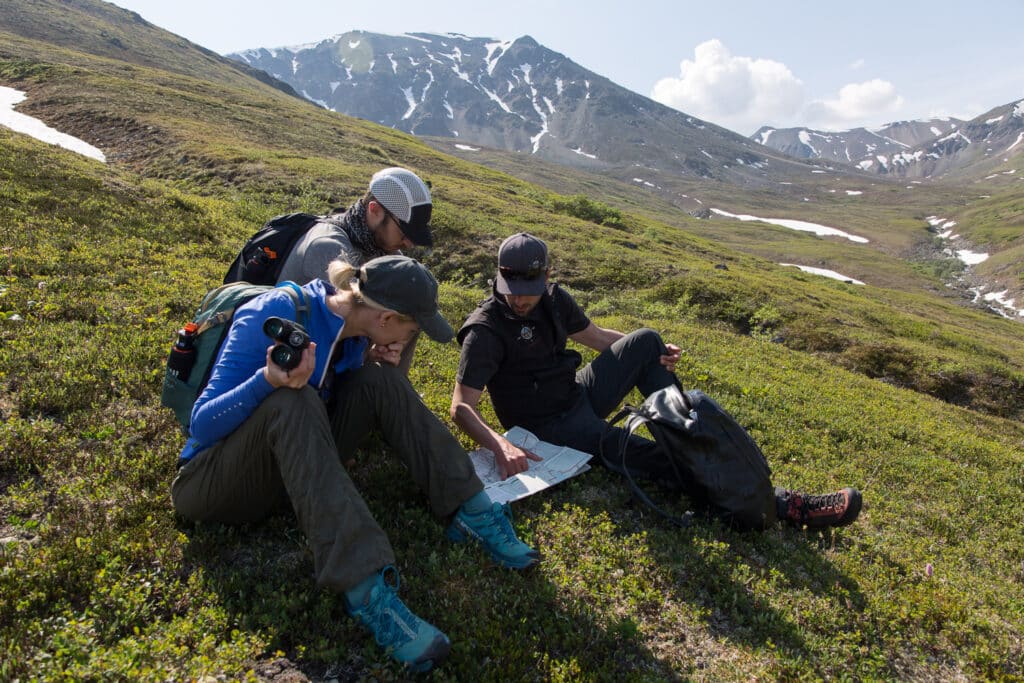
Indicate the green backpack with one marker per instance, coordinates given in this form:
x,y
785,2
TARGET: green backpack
x,y
192,357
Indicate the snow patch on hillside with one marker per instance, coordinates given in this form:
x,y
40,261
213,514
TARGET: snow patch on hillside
x,y
22,123
1006,307
315,100
411,101
805,138
966,256
802,226
971,258
492,58
824,272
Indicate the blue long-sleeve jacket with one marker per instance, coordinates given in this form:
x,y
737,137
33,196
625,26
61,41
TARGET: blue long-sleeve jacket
x,y
237,385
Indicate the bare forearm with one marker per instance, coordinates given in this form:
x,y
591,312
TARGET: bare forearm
x,y
609,337
597,338
473,424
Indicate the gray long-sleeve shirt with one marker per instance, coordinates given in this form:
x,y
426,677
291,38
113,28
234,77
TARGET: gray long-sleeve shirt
x,y
315,250
312,254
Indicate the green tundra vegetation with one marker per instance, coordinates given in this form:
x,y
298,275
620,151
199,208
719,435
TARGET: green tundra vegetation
x,y
900,390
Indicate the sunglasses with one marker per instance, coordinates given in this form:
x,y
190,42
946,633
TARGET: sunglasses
x,y
388,214
528,274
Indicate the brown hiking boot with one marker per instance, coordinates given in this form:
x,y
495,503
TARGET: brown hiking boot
x,y
818,512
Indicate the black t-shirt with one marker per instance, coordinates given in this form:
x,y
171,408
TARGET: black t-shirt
x,y
483,352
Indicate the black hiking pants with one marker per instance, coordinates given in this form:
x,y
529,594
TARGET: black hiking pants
x,y
633,361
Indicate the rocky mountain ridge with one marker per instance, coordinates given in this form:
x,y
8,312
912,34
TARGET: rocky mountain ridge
x,y
917,149
516,96
851,146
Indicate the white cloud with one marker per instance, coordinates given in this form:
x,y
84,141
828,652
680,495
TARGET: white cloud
x,y
740,93
857,102
745,93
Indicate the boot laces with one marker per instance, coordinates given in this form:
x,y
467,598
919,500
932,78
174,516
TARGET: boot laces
x,y
386,615
828,501
498,527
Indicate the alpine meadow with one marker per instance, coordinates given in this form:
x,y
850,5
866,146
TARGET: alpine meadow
x,y
899,388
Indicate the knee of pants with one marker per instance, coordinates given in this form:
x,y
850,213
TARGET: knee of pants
x,y
286,398
373,378
647,339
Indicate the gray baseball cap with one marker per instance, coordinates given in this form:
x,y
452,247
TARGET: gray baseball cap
x,y
407,198
522,265
402,284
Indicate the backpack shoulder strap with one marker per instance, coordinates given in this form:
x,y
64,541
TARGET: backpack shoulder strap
x,y
634,420
218,306
301,300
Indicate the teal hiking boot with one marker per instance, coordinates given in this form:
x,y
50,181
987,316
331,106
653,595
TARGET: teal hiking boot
x,y
492,528
406,637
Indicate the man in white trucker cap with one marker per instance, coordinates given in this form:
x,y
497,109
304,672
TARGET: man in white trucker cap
x,y
394,214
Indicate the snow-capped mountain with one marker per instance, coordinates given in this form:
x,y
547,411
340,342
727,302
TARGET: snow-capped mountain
x,y
980,145
911,148
858,144
517,96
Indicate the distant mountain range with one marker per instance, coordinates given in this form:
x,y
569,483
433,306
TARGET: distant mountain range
x,y
910,148
517,96
520,96
858,144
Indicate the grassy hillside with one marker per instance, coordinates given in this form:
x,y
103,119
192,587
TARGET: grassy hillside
x,y
222,140
99,264
106,30
901,253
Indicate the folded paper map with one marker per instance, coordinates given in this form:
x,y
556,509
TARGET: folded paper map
x,y
559,464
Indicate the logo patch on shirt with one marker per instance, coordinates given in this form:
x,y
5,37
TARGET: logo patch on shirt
x,y
526,333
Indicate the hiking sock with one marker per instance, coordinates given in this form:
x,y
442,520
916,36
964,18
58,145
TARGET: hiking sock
x,y
357,594
481,502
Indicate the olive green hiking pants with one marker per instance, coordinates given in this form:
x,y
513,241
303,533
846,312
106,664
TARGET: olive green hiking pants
x,y
291,450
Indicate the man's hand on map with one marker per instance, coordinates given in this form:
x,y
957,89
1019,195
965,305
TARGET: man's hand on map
x,y
512,459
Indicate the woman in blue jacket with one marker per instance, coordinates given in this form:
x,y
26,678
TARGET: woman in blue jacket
x,y
262,435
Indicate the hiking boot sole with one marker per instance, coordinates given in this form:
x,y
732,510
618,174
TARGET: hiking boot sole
x,y
434,655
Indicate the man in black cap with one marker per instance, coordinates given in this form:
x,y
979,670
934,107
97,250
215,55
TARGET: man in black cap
x,y
394,214
514,344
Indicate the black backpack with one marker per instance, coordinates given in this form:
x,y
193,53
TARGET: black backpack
x,y
263,255
716,463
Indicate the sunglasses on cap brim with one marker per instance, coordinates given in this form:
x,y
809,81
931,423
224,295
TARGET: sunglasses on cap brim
x,y
528,274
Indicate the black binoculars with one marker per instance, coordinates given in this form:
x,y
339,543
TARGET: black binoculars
x,y
292,338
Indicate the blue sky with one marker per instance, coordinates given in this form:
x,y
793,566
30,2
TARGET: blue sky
x,y
825,65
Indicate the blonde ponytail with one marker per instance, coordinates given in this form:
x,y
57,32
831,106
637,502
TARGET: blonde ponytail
x,y
343,275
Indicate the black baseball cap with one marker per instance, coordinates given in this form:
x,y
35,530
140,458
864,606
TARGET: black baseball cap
x,y
522,265
402,284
